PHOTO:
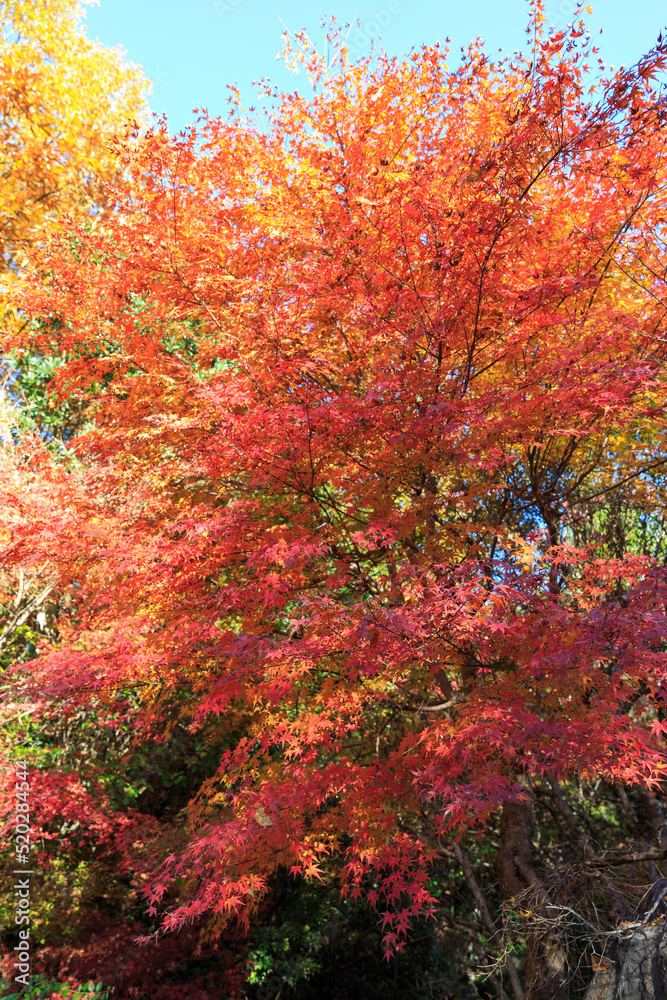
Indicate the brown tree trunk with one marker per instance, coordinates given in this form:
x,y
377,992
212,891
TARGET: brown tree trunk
x,y
655,817
545,969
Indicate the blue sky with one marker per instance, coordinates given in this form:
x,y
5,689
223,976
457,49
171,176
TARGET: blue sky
x,y
192,50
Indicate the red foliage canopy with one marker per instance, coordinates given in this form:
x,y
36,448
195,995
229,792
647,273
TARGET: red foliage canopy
x,y
361,378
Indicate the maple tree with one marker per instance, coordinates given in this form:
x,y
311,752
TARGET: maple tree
x,y
373,499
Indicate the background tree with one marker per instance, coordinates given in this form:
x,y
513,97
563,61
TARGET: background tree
x,y
63,99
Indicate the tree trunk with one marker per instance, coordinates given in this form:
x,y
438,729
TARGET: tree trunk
x,y
545,969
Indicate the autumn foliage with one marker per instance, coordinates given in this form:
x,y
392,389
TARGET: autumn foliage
x,y
373,498
63,97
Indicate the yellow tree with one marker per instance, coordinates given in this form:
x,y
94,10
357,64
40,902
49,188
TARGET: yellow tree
x,y
62,99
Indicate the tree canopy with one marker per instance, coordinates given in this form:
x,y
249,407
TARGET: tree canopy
x,y
373,499
63,99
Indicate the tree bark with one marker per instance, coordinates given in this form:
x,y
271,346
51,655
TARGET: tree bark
x,y
640,969
655,816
